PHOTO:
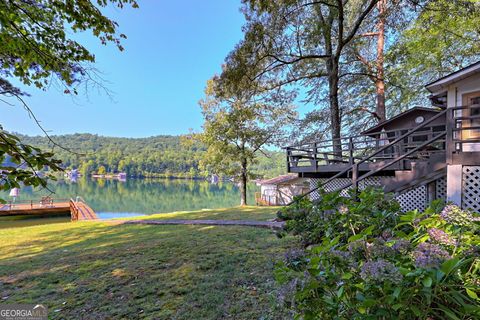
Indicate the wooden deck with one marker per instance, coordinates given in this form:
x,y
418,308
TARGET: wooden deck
x,y
78,210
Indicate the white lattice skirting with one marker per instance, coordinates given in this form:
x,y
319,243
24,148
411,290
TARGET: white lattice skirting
x,y
339,183
415,198
441,188
471,188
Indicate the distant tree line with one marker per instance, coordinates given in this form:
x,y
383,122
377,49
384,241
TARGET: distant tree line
x,y
159,156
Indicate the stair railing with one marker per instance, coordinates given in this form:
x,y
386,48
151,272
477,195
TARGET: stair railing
x,y
79,199
73,210
355,165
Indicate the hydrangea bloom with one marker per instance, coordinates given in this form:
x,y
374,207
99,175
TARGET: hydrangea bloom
x,y
294,257
454,215
343,209
341,255
401,245
380,271
378,249
356,246
440,236
285,293
429,255
473,251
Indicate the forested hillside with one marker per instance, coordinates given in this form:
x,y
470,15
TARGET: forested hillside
x,y
159,156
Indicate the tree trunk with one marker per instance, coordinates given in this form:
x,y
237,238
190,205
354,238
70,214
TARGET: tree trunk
x,y
243,183
335,119
380,82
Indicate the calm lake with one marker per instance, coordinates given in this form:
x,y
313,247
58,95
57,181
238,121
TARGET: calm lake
x,y
113,198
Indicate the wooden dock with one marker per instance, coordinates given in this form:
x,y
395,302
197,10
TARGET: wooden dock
x,y
78,208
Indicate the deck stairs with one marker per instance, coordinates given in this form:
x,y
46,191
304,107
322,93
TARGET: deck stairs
x,y
417,165
421,172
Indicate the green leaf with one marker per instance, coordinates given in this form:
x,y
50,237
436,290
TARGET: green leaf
x,y
448,313
340,292
397,291
355,237
449,265
404,271
423,238
427,282
397,306
415,310
360,286
369,303
472,294
440,274
347,276
426,221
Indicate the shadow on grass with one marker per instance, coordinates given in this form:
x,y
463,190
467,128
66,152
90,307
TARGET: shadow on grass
x,y
235,213
28,221
94,270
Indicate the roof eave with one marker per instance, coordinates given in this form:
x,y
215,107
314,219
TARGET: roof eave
x,y
444,82
373,129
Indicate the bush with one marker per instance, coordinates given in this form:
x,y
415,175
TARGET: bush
x,y
371,261
340,216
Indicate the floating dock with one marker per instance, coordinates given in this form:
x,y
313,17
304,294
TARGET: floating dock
x,y
78,208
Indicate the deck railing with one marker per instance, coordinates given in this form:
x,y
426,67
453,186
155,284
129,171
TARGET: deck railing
x,y
356,148
265,200
462,135
433,141
33,204
463,128
74,211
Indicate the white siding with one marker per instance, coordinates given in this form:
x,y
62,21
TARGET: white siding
x,y
455,99
283,194
468,85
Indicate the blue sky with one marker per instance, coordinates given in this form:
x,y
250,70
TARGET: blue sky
x,y
173,48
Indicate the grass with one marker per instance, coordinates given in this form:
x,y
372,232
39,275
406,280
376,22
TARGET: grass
x,y
236,213
25,221
101,270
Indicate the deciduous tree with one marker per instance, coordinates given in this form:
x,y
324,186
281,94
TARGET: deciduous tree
x,y
302,42
442,38
239,123
37,49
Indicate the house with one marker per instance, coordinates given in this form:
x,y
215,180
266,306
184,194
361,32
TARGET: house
x,y
420,155
281,190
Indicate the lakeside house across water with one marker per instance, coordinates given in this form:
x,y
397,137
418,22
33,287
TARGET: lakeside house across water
x,y
119,176
281,190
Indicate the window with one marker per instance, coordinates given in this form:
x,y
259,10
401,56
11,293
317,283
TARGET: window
x,y
473,101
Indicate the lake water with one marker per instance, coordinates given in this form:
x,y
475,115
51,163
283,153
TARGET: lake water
x,y
113,198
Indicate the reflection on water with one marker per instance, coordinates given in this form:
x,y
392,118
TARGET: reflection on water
x,y
112,198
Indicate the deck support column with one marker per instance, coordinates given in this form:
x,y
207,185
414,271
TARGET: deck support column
x,y
350,148
431,192
355,179
454,184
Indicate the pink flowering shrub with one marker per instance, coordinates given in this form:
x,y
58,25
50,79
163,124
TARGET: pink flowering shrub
x,y
414,265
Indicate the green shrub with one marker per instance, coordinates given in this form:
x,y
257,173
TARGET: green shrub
x,y
340,216
370,261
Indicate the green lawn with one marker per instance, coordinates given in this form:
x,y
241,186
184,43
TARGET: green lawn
x,y
236,213
101,270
